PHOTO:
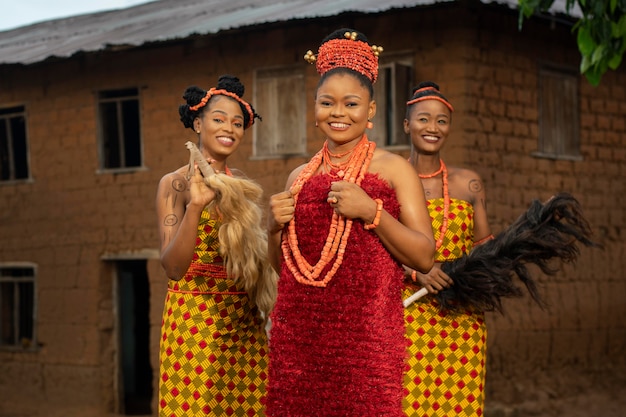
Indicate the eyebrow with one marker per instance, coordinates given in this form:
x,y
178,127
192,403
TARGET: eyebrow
x,y
429,114
352,96
237,116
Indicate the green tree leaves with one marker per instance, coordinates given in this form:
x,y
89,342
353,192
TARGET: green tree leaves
x,y
600,32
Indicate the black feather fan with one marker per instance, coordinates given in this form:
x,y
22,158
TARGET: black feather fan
x,y
545,232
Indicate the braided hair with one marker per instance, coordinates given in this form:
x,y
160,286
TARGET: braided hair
x,y
195,106
426,90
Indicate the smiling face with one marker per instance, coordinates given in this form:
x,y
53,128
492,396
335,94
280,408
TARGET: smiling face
x,y
342,108
429,126
221,127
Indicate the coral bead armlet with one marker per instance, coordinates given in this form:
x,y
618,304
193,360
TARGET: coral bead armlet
x,y
484,240
379,209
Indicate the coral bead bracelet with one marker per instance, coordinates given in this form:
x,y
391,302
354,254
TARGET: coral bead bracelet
x,y
379,209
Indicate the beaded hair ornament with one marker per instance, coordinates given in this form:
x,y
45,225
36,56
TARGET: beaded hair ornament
x,y
215,92
429,93
348,53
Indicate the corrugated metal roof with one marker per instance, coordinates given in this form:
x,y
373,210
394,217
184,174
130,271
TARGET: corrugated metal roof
x,y
164,20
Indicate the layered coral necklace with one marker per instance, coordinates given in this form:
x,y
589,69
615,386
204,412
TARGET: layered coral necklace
x,y
353,170
446,200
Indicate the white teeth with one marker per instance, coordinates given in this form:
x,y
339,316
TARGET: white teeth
x,y
431,138
225,139
339,125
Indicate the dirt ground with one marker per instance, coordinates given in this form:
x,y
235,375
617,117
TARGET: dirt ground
x,y
587,404
567,393
586,396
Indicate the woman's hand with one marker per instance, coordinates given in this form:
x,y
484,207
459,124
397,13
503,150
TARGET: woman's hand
x,y
200,193
435,280
282,209
351,201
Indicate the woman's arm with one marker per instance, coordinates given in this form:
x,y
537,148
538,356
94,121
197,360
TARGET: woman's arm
x,y
179,205
475,186
410,238
281,211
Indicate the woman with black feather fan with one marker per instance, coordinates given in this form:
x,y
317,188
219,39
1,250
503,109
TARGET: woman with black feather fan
x,y
444,313
447,353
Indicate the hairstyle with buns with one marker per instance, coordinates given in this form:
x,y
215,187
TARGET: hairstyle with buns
x,y
198,98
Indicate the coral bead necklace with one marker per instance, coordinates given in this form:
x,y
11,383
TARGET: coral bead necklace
x,y
434,174
354,170
446,200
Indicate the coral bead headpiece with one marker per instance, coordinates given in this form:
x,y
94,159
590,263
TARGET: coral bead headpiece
x,y
215,92
429,93
348,53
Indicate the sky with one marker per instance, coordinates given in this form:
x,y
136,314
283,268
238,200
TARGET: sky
x,y
16,13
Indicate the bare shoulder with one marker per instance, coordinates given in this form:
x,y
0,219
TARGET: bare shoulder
x,y
175,180
392,167
297,171
385,160
293,175
465,183
462,174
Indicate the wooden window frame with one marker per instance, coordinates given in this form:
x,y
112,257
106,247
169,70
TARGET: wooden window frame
x,y
282,132
391,92
13,278
119,134
559,118
14,153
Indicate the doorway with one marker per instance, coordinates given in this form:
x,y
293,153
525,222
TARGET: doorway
x,y
133,300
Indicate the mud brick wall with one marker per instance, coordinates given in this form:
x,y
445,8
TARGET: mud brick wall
x,y
72,219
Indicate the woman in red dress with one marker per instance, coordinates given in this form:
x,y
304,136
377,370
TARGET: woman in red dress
x,y
339,235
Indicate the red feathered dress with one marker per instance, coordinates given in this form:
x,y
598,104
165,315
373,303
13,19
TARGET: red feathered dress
x,y
339,350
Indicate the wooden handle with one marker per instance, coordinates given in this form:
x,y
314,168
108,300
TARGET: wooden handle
x,y
416,296
196,156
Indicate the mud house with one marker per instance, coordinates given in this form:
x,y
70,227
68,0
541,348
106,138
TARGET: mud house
x,y
89,124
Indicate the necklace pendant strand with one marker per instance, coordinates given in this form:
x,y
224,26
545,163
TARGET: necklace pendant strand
x,y
353,171
446,199
446,203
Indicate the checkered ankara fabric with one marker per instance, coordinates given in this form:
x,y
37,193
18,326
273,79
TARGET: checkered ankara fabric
x,y
213,353
446,362
446,352
213,350
207,242
459,237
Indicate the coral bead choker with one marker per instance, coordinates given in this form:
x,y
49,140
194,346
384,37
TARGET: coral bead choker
x,y
434,174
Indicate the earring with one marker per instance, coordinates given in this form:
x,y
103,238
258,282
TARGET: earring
x,y
198,132
316,125
369,124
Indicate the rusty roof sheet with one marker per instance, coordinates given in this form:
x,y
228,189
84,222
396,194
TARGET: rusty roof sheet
x,y
165,20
